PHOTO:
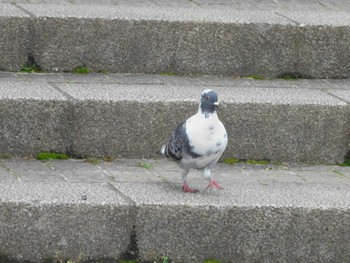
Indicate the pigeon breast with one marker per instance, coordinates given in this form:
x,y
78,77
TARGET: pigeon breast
x,y
207,139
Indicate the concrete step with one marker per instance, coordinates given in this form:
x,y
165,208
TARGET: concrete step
x,y
268,38
111,210
131,116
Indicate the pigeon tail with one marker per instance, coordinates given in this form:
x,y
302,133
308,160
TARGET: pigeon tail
x,y
162,150
168,151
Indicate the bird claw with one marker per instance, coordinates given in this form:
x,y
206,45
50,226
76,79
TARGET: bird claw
x,y
214,184
187,189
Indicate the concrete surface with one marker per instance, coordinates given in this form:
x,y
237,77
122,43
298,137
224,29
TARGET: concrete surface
x,y
131,116
230,38
266,213
15,37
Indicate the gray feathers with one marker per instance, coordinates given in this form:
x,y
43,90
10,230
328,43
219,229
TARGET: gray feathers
x,y
178,144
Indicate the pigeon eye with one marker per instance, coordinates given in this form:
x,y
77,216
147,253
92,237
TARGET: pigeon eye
x,y
206,97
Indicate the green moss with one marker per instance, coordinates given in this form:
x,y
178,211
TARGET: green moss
x,y
291,76
231,160
167,74
95,160
104,71
260,162
277,163
338,172
128,261
92,160
82,70
145,165
108,159
346,160
43,156
211,261
27,68
257,77
346,163
5,156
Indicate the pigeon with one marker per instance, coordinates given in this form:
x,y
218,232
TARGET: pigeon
x,y
199,141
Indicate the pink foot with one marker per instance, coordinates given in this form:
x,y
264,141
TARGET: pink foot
x,y
213,183
187,189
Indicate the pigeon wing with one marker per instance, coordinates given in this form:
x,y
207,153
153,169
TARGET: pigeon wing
x,y
176,144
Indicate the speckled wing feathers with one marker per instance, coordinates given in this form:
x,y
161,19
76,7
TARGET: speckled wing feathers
x,y
175,146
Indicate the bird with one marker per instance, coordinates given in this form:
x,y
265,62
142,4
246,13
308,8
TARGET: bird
x,y
199,141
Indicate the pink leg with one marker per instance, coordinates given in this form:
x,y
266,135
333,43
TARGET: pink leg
x,y
187,189
213,183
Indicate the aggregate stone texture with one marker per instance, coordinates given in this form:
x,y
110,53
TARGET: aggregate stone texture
x,y
302,125
226,38
132,115
43,219
264,213
15,37
34,118
270,212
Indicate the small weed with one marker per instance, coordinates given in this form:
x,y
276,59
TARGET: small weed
x,y
256,77
211,261
259,162
338,172
82,70
26,68
346,160
44,156
277,163
231,160
128,261
263,183
167,74
145,165
104,71
5,156
30,66
345,163
92,160
291,76
108,159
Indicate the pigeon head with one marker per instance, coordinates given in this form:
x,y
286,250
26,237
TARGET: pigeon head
x,y
209,101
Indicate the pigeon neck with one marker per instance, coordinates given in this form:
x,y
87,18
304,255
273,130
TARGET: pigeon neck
x,y
207,111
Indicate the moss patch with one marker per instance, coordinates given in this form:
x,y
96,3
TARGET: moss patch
x,y
345,163
167,74
31,66
231,160
44,156
5,156
257,77
92,160
82,70
291,76
211,261
259,162
145,165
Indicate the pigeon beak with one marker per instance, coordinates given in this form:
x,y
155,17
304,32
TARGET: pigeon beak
x,y
216,104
